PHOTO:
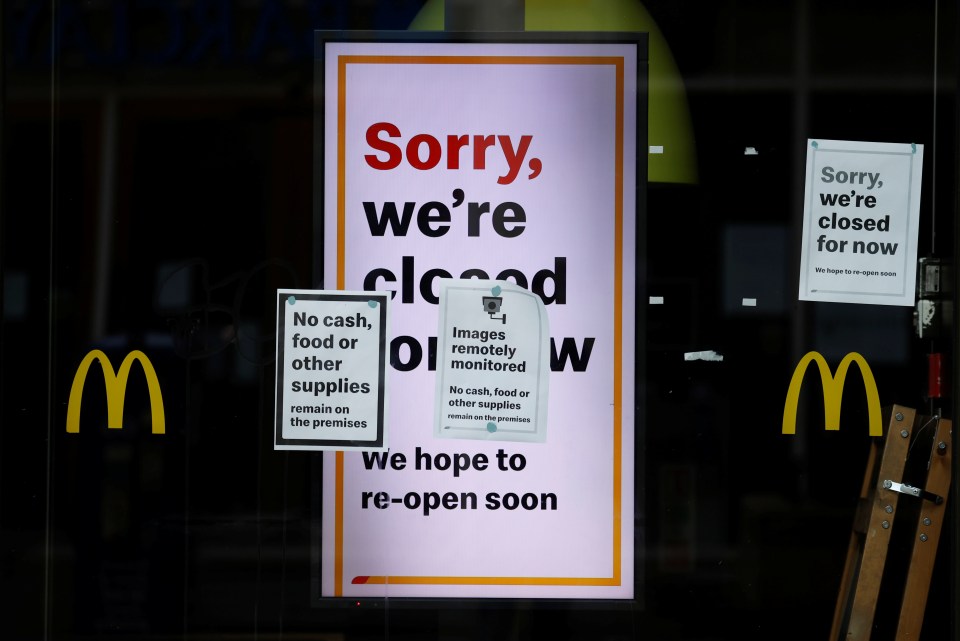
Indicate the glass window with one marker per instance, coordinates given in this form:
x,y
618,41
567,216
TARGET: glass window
x,y
163,178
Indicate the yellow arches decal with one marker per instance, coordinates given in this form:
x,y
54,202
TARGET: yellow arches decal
x,y
116,385
832,392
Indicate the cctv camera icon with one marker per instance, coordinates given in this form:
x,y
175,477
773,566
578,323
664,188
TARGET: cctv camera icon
x,y
491,305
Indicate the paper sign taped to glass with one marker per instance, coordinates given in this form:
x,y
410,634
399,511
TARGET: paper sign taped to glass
x,y
861,217
493,365
331,381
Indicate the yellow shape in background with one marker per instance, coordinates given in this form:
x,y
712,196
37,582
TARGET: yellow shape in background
x,y
668,120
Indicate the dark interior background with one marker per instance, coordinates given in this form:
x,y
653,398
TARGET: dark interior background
x,y
157,190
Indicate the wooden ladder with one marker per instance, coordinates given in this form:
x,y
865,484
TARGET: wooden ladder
x,y
886,494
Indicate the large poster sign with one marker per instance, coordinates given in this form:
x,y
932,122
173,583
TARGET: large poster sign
x,y
861,216
508,170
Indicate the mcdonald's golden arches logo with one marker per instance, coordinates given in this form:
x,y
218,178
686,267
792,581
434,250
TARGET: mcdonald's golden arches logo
x,y
832,392
116,385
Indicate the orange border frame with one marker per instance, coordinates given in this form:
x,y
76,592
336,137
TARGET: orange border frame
x,y
618,64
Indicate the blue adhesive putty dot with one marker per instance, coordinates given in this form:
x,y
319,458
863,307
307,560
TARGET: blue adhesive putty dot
x,y
496,290
813,143
491,427
372,303
291,300
913,146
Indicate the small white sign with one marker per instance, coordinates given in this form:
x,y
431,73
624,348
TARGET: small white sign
x,y
493,364
860,222
331,370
